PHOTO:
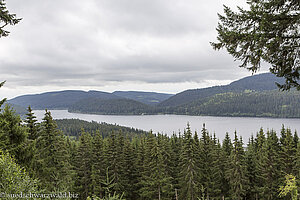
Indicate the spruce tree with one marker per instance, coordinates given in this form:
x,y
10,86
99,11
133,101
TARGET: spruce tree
x,y
227,148
189,181
13,136
31,124
83,166
206,160
252,170
287,151
237,171
269,167
156,182
52,163
98,168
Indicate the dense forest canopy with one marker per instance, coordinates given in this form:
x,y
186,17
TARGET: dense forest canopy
x,y
102,163
269,31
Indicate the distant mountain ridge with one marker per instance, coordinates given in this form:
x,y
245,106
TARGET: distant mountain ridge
x,y
255,96
58,100
259,82
65,99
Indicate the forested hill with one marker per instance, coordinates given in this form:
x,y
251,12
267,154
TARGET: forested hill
x,y
58,100
271,103
149,98
110,107
65,99
255,96
74,127
259,82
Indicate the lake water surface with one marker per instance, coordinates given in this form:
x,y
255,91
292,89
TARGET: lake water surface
x,y
168,124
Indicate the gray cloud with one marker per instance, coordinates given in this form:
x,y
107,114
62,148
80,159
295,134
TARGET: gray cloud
x,y
95,42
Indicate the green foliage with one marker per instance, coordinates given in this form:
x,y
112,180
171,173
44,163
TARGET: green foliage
x,y
110,106
3,100
6,18
14,179
259,104
267,31
52,162
290,187
73,127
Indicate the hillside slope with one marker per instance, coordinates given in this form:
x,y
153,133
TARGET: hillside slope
x,y
58,100
259,82
150,98
110,107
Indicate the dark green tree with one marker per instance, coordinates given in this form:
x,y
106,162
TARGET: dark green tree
x,y
269,167
13,135
83,166
237,171
267,31
52,163
205,163
190,177
6,18
226,151
32,125
98,170
3,100
14,179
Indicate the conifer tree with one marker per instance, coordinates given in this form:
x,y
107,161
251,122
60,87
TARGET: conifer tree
x,y
83,182
217,169
237,171
52,163
98,168
140,165
267,31
13,136
31,123
156,182
174,166
252,170
3,100
206,160
288,151
258,160
270,169
226,152
189,180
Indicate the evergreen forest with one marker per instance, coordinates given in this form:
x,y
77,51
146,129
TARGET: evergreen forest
x,y
87,160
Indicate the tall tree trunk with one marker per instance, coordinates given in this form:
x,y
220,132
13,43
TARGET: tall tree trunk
x,y
176,195
158,192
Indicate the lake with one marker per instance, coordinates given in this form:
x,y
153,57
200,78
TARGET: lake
x,y
169,124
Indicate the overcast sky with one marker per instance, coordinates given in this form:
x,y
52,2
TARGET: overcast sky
x,y
108,45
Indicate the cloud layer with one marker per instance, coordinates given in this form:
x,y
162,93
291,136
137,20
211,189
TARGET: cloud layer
x,y
99,43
